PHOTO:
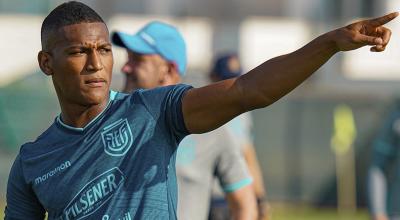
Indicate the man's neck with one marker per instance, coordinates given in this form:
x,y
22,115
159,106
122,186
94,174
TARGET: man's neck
x,y
79,116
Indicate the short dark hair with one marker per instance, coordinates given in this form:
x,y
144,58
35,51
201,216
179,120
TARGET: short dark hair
x,y
68,13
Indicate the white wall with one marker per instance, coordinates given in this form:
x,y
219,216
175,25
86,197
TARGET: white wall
x,y
19,43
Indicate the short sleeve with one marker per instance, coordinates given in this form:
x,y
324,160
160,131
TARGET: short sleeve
x,y
385,146
165,104
231,169
22,202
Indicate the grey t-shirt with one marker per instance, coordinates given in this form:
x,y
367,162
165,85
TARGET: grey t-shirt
x,y
241,128
200,158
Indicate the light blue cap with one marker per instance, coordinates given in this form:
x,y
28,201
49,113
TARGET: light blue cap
x,y
156,38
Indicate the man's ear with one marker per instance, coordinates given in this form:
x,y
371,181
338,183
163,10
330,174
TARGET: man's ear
x,y
44,60
170,75
173,73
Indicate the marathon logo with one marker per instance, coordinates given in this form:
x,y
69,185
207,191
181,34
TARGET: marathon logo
x,y
94,195
53,172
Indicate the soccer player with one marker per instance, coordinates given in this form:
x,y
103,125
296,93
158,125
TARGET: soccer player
x,y
228,66
384,171
157,57
112,156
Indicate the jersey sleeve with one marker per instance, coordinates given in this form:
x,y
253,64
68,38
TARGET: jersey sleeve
x,y
165,104
231,169
22,202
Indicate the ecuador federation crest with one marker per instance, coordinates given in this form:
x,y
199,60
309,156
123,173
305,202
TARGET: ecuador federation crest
x,y
117,138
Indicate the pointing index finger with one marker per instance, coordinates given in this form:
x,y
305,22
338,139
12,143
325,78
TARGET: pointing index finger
x,y
383,20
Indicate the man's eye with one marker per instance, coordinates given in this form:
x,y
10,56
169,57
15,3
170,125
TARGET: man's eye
x,y
104,50
77,52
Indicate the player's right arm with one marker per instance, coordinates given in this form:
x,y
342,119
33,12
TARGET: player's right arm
x,y
22,202
209,107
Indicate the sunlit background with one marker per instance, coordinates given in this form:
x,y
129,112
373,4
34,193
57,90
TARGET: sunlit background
x,y
296,138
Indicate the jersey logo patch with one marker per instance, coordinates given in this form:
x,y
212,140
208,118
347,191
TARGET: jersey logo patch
x,y
117,138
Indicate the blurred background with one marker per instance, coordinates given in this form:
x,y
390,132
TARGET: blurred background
x,y
302,156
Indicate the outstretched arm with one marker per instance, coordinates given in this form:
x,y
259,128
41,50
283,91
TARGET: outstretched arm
x,y
209,107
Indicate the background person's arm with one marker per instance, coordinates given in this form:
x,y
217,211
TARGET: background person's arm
x,y
241,127
378,191
258,183
255,171
242,204
209,107
234,178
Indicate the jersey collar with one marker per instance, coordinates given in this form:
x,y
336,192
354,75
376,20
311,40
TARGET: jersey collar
x,y
113,94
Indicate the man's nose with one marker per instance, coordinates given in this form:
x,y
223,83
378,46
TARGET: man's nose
x,y
94,62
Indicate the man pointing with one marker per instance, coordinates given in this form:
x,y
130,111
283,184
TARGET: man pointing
x,y
130,141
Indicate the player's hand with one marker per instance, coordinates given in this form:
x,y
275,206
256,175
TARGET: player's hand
x,y
366,32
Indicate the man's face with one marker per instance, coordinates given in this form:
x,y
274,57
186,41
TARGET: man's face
x,y
81,63
144,71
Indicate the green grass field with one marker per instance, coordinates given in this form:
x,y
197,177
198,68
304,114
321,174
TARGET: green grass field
x,y
2,205
286,212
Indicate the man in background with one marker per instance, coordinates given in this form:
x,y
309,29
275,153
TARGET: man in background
x,y
157,57
227,66
384,172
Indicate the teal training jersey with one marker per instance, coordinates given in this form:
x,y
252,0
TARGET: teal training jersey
x,y
120,166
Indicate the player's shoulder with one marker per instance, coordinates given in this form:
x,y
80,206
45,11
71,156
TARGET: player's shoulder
x,y
40,144
162,91
141,95
118,96
154,98
122,102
